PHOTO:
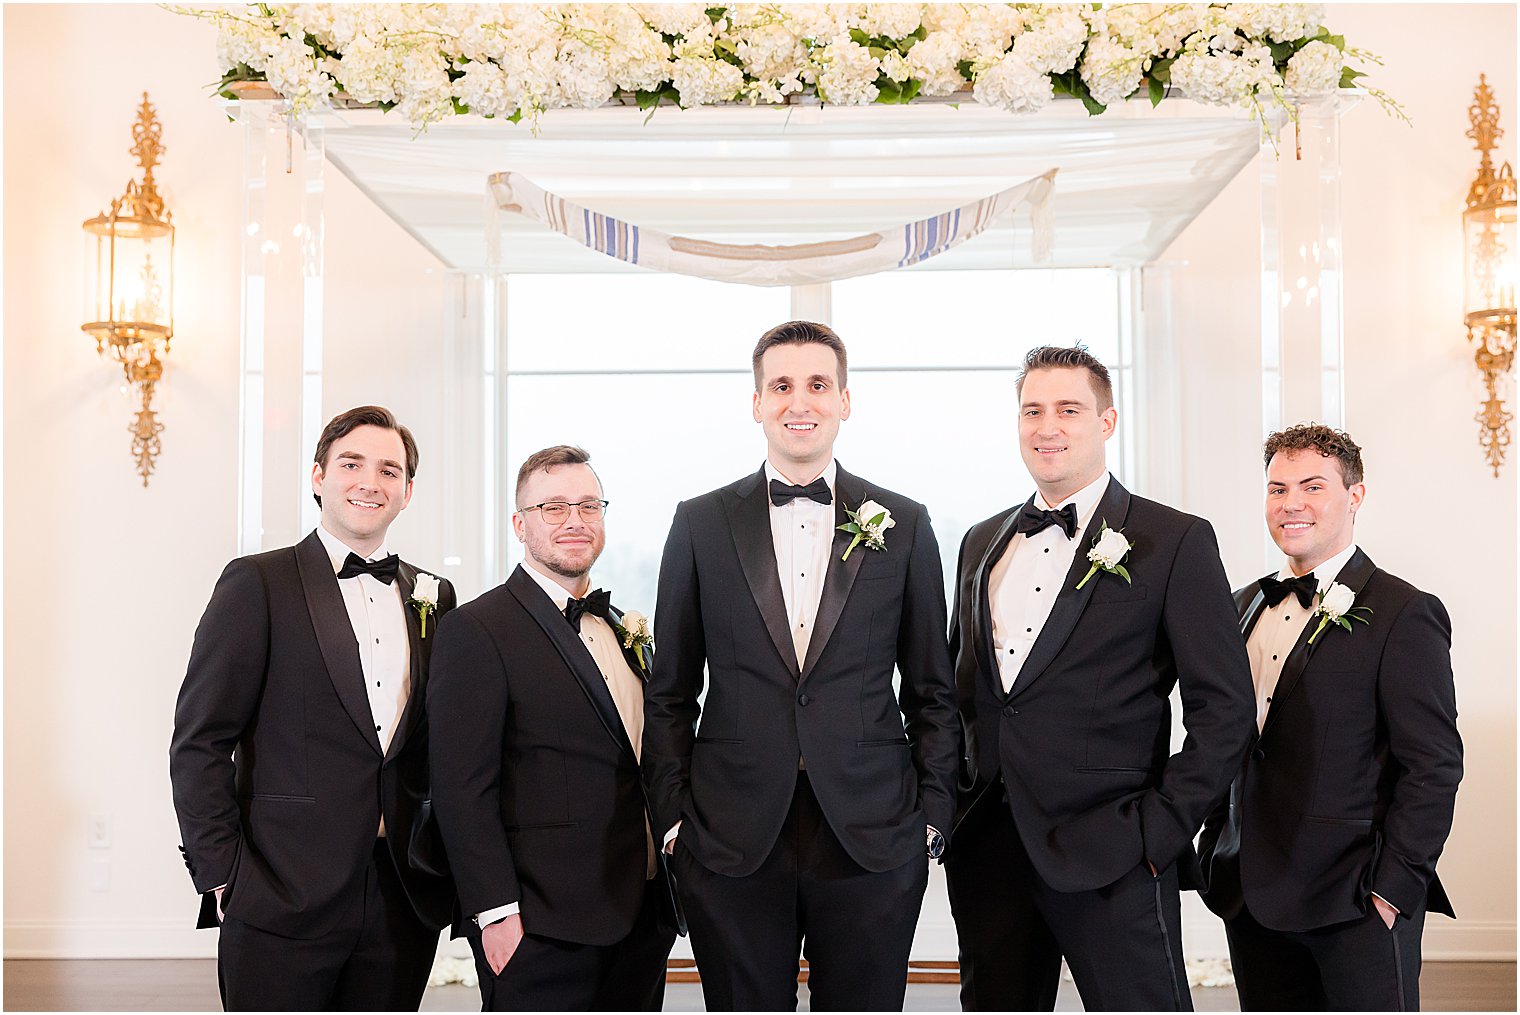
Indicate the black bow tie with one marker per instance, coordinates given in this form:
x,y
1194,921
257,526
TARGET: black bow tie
x,y
1033,519
598,604
1304,588
383,569
816,490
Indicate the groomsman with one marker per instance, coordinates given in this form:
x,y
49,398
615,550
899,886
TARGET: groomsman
x,y
537,699
1076,614
800,810
299,758
1323,863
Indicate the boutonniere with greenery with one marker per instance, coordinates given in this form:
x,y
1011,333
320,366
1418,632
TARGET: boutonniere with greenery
x,y
424,598
869,524
634,632
1107,551
1335,608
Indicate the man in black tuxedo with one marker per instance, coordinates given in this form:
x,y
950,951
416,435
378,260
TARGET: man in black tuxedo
x,y
1323,861
1076,614
537,699
299,758
799,812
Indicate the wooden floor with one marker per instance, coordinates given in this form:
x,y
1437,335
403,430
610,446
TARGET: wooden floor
x,y
190,985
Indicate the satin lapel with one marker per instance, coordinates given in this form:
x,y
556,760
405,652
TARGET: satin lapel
x,y
1071,601
1252,612
1354,576
986,653
572,650
749,520
849,492
335,634
406,580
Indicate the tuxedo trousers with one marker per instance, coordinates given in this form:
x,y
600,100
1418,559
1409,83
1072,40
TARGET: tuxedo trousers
x,y
1122,942
1359,965
546,974
854,926
378,960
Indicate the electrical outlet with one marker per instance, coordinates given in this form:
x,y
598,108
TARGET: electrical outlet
x,y
100,832
100,875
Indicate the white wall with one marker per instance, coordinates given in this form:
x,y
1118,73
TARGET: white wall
x,y
1434,513
104,581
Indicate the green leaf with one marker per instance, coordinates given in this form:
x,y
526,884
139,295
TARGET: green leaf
x,y
1157,92
1122,573
964,67
1348,77
859,37
516,117
877,520
877,52
715,14
910,89
1161,69
888,91
1338,41
459,107
646,99
1281,51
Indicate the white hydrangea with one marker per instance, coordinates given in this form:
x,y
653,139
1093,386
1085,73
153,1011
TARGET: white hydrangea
x,y
705,81
988,32
484,89
1225,78
847,74
771,50
1155,30
935,60
1111,71
1277,22
891,21
241,42
675,19
585,79
294,71
1314,70
1013,85
895,67
371,72
1051,44
426,94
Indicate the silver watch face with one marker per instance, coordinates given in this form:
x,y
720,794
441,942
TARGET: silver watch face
x,y
936,846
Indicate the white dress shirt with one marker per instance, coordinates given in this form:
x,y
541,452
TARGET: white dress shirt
x,y
627,694
1025,581
378,617
802,531
1277,629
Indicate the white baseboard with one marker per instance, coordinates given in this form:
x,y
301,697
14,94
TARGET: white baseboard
x,y
1445,940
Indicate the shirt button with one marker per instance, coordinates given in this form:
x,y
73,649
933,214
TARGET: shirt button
x,y
1274,659
377,641
377,683
1047,549
803,573
377,729
1029,630
1037,588
1010,651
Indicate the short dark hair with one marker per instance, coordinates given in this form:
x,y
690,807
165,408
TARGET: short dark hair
x,y
801,333
1057,357
1324,440
345,423
548,458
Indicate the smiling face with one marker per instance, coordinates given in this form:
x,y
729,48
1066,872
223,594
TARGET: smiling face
x,y
1061,431
800,403
1310,509
567,550
363,486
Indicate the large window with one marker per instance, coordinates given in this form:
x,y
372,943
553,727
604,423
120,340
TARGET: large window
x,y
650,373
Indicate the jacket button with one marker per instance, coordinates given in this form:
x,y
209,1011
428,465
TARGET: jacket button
x,y
1009,710
1259,754
803,699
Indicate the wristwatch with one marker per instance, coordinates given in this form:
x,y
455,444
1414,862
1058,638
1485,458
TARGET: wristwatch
x,y
936,843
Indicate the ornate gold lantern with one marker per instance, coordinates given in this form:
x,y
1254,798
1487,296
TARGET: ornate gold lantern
x,y
1489,235
130,285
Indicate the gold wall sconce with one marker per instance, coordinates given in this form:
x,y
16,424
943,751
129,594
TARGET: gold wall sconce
x,y
1489,235
130,285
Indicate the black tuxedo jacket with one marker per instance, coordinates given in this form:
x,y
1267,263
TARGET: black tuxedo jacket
x,y
1082,742
881,762
1349,788
278,776
536,786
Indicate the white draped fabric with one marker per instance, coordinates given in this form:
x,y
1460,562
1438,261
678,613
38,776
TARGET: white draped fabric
x,y
766,265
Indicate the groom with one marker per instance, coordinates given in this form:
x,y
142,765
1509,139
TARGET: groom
x,y
300,753
801,809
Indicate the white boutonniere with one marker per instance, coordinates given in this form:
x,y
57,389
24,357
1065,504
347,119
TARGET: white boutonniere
x,y
424,598
1107,551
869,524
634,632
1335,608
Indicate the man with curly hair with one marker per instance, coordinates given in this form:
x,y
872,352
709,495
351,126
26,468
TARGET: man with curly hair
x,y
1323,861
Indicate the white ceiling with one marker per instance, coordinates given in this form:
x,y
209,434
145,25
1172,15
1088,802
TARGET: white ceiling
x,y
1129,181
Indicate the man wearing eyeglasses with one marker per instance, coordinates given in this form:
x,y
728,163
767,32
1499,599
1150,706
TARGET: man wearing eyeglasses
x,y
537,704
800,811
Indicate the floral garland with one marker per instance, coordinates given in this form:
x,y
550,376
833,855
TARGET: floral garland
x,y
430,61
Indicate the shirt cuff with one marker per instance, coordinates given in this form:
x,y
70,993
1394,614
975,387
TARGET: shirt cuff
x,y
670,836
490,916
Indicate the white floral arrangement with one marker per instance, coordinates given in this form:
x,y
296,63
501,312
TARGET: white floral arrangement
x,y
430,61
